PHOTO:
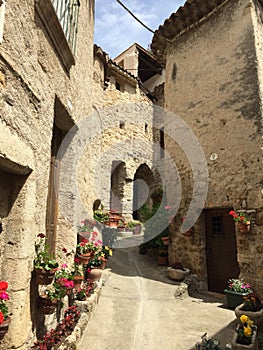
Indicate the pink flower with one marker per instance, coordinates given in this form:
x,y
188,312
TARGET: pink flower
x,y
77,260
96,244
68,284
88,269
4,295
92,239
99,241
94,234
64,266
167,207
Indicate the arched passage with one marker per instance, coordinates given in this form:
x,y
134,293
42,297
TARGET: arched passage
x,y
118,176
143,187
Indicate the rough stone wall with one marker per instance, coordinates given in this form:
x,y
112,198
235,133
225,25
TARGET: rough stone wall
x,y
212,84
117,134
31,78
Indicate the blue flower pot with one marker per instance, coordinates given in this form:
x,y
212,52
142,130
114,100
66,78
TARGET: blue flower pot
x,y
234,298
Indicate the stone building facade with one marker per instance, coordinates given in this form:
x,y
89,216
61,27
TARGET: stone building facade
x,y
212,53
74,126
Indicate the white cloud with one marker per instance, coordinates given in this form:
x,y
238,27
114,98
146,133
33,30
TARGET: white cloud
x,y
116,30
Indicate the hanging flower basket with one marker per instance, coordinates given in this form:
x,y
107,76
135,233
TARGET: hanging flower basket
x,y
44,276
47,306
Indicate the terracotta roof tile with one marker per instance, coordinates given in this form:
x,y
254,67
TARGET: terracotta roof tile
x,y
188,14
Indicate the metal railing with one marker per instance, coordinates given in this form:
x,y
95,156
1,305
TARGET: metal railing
x,y
68,12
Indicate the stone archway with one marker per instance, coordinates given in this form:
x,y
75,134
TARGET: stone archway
x,y
143,188
118,177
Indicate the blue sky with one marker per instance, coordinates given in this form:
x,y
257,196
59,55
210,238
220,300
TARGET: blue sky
x,y
116,30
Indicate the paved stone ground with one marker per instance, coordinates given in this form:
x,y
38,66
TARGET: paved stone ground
x,y
141,308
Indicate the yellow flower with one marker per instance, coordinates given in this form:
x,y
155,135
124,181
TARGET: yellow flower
x,y
244,318
110,252
247,331
106,247
249,322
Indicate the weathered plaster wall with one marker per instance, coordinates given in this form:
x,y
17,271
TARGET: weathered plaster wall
x,y
31,77
212,84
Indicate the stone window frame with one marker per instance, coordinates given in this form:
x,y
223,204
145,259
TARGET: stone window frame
x,y
2,19
63,44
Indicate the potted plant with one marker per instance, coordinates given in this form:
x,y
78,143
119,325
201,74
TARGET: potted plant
x,y
134,226
243,224
235,292
208,343
86,249
252,307
177,271
77,273
245,336
4,315
101,215
45,264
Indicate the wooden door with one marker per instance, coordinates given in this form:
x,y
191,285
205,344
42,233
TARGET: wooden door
x,y
221,248
52,200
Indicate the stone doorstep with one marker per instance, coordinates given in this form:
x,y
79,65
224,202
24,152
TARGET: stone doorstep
x,y
87,309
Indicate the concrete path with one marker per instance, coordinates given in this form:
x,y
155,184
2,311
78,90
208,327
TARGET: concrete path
x,y
141,309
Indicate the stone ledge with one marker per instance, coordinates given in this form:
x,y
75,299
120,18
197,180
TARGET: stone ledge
x,y
87,309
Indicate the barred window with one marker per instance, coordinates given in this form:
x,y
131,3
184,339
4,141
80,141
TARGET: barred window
x,y
67,12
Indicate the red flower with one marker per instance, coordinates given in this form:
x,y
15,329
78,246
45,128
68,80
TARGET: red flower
x,y
64,250
242,218
3,285
1,317
84,241
94,234
41,235
82,244
232,213
77,260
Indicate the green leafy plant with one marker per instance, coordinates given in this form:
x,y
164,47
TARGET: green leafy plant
x,y
88,245
252,302
208,343
132,224
238,285
44,260
101,215
77,267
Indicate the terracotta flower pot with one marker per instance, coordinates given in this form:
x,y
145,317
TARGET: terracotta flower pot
x,y
85,258
44,276
243,227
166,240
4,327
162,260
47,306
77,281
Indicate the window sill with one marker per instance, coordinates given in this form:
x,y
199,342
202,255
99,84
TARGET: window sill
x,y
48,17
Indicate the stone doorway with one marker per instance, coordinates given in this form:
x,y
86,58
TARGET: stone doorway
x,y
143,188
221,248
118,178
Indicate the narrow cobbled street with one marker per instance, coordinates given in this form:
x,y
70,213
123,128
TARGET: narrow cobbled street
x,y
141,308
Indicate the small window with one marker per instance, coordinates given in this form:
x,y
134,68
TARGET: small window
x,y
217,225
118,86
